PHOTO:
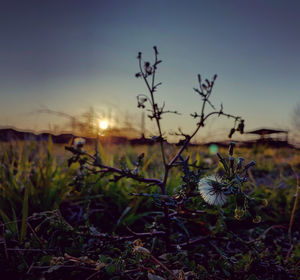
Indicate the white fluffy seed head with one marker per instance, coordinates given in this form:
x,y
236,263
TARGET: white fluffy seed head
x,y
210,190
79,142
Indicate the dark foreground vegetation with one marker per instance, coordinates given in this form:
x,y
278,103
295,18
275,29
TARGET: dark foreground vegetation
x,y
56,228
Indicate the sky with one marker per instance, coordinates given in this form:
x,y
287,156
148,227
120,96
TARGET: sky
x,y
70,55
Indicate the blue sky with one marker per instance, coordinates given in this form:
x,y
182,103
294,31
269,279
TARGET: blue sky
x,y
70,55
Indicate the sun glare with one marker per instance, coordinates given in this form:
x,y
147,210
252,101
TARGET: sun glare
x,y
103,124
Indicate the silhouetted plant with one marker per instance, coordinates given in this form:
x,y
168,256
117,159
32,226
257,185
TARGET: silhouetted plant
x,y
213,189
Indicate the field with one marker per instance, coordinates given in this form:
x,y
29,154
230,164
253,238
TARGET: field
x,y
62,218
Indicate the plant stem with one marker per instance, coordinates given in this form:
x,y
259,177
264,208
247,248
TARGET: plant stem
x,y
154,106
162,185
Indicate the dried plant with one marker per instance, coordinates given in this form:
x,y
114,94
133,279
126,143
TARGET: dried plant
x,y
212,189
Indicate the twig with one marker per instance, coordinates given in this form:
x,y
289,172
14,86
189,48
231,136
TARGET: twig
x,y
289,253
263,235
33,217
121,172
155,260
93,275
125,237
141,234
34,233
190,242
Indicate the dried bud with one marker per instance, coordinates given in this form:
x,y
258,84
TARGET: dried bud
x,y
231,147
240,163
231,132
141,100
250,164
137,75
241,126
199,78
139,55
208,83
148,68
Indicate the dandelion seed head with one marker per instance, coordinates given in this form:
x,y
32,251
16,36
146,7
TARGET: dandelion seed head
x,y
211,191
79,142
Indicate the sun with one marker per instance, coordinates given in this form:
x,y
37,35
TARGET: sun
x,y
103,124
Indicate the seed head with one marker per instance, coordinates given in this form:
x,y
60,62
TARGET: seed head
x,y
79,142
212,191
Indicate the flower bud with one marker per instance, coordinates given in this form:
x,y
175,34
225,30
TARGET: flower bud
x,y
265,202
257,219
241,127
239,213
199,78
237,217
250,164
231,132
231,147
240,163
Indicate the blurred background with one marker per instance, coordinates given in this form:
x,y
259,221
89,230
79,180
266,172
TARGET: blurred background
x,y
69,66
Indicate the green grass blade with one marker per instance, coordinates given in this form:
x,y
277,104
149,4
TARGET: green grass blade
x,y
24,215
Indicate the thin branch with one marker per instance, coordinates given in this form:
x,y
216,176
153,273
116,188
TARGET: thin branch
x,y
146,234
106,169
200,124
117,238
263,235
190,242
155,260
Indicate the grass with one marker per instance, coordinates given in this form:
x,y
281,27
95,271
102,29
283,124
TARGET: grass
x,y
59,223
